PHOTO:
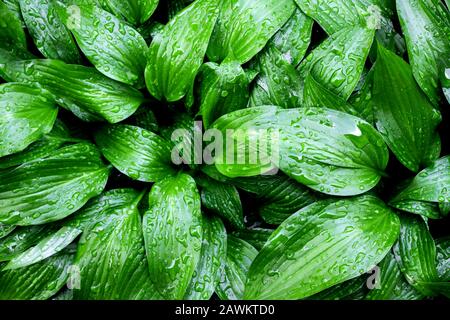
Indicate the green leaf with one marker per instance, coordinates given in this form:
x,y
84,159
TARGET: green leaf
x,y
326,150
257,237
443,258
50,189
134,11
222,89
338,62
415,253
137,153
177,52
5,230
21,239
14,7
222,199
320,246
245,26
338,14
146,119
445,80
317,95
428,192
240,256
28,113
37,282
391,284
83,90
426,26
349,290
403,114
362,101
278,83
115,49
173,234
46,247
42,148
212,260
111,256
50,35
12,36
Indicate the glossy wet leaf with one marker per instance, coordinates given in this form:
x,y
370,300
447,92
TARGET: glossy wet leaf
x,y
245,26
50,35
338,62
177,52
337,14
173,234
320,246
222,199
403,114
28,113
426,26
20,239
37,282
240,255
134,11
415,253
114,48
12,36
257,237
212,260
351,289
111,256
5,230
326,150
223,89
443,258
138,153
46,247
391,284
445,81
428,194
41,148
50,189
83,90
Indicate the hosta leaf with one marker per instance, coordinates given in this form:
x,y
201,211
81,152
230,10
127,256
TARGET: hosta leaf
x,y
337,14
222,199
392,285
223,89
48,32
46,247
83,90
14,7
173,234
403,114
134,11
415,253
320,246
138,153
293,39
362,101
212,260
39,149
326,150
12,36
27,114
277,196
176,53
445,81
245,26
257,237
115,49
5,230
240,255
443,258
111,257
37,282
50,189
21,239
348,290
317,95
426,26
279,83
145,119
427,193
338,62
